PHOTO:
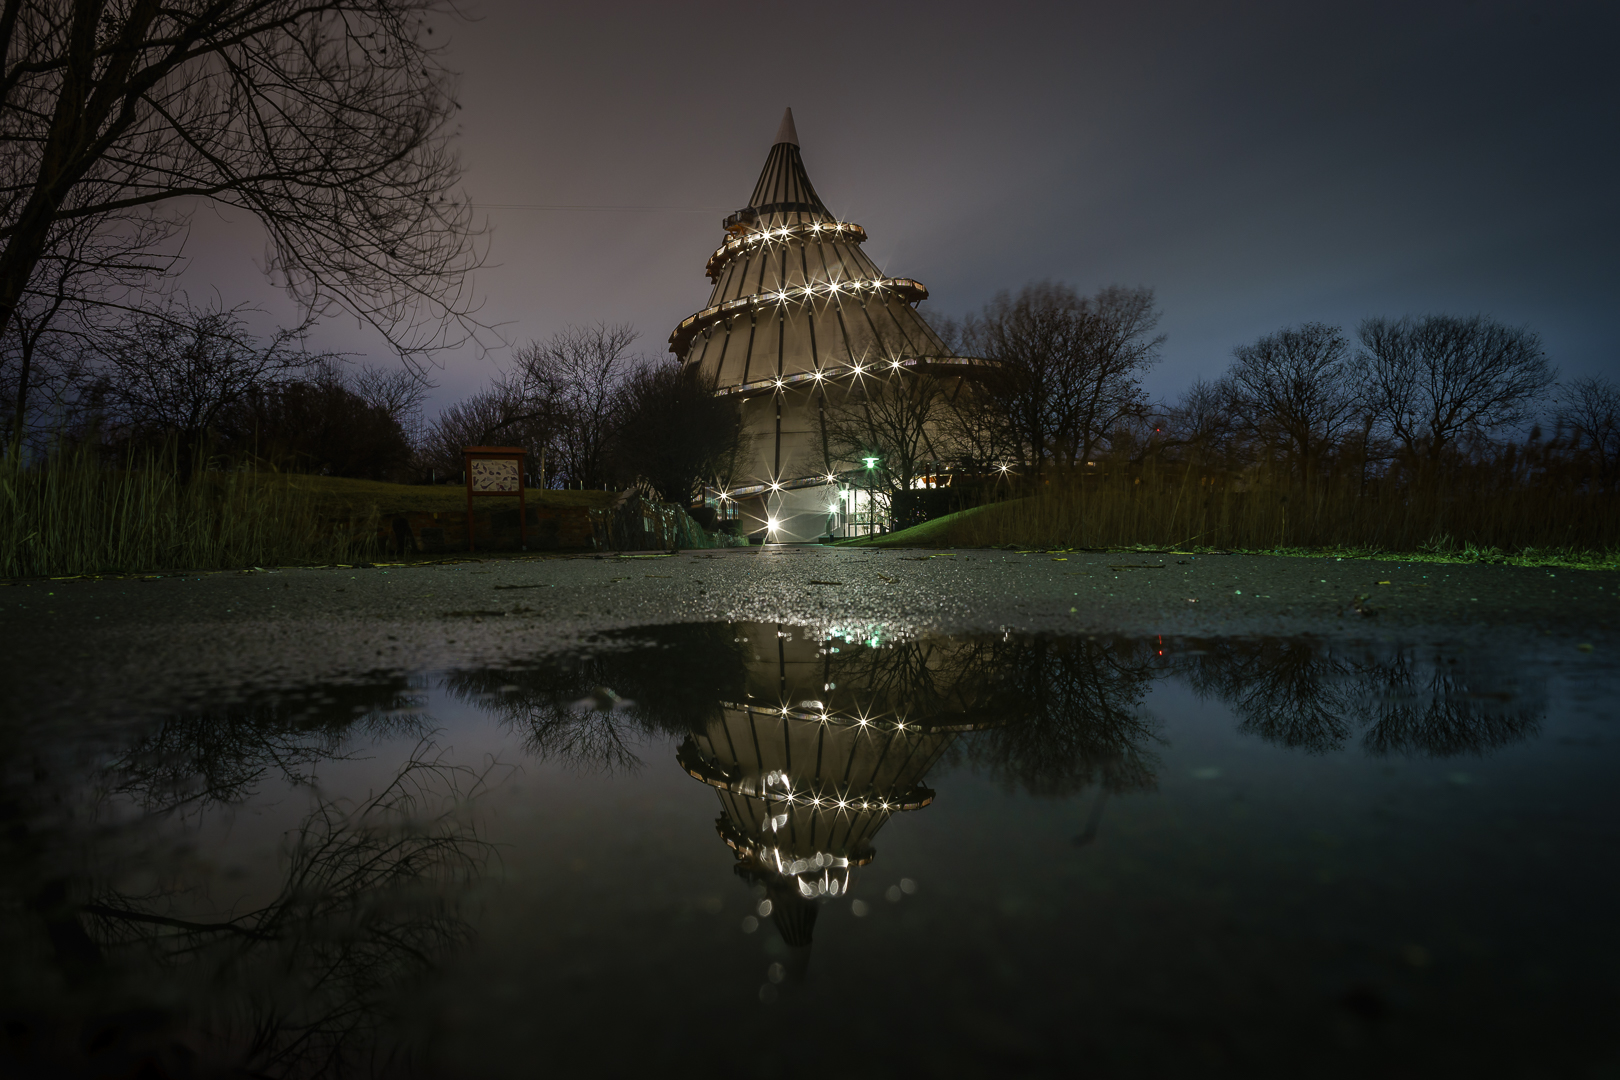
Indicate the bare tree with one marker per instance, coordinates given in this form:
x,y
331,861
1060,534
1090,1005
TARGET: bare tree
x,y
1428,381
1201,418
977,426
1067,368
672,432
398,392
326,119
177,371
1590,406
1296,384
94,268
898,417
572,382
497,414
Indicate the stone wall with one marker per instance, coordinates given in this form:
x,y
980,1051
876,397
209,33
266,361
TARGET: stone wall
x,y
633,523
630,524
549,528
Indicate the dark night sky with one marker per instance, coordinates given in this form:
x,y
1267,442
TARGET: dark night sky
x,y
1258,164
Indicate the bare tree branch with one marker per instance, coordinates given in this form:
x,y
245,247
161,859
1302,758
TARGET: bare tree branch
x,y
329,120
1429,381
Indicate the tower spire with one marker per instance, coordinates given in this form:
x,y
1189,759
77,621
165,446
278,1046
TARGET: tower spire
x,y
787,133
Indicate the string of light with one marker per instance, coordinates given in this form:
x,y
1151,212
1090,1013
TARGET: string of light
x,y
908,289
747,242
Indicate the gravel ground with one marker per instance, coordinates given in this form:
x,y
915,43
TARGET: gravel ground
x,y
112,643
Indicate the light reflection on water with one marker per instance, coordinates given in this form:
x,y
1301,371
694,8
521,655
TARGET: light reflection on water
x,y
758,844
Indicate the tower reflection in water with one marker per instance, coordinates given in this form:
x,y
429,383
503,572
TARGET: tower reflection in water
x,y
816,756
810,740
813,740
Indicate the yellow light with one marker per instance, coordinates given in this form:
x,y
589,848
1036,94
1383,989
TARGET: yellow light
x,y
772,524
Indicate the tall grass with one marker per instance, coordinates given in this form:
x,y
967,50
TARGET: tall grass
x,y
72,515
1461,509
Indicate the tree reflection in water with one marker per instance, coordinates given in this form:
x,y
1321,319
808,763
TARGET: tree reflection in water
x,y
189,761
591,710
1306,695
1075,716
121,954
813,740
125,962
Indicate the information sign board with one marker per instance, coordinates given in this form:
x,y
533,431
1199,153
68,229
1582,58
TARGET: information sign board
x,y
495,470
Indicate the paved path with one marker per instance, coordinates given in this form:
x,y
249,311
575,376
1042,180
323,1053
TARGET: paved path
x,y
97,642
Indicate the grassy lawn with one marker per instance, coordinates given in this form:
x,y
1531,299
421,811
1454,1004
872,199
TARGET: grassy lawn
x,y
335,496
967,528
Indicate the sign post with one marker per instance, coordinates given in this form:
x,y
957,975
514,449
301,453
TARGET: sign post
x,y
495,470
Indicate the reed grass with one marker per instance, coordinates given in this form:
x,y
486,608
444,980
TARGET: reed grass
x,y
1462,512
70,514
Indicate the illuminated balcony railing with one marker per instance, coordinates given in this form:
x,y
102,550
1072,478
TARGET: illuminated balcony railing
x,y
907,289
754,239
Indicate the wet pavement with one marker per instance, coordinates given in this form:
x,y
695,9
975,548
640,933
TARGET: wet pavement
x,y
156,638
792,811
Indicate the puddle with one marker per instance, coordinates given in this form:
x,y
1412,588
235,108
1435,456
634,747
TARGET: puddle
x,y
788,852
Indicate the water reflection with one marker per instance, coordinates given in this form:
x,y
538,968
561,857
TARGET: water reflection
x,y
819,751
191,761
133,954
129,947
1308,696
813,741
592,710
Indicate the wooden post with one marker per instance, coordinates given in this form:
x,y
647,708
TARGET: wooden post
x,y
466,474
523,515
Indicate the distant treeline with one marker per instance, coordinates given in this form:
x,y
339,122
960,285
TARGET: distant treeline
x,y
1437,430
192,384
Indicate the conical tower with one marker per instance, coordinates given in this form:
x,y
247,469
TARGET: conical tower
x,y
797,316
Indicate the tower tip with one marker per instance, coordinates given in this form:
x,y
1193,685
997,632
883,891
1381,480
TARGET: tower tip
x,y
786,133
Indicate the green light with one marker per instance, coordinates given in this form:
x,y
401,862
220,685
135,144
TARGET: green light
x,y
871,462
